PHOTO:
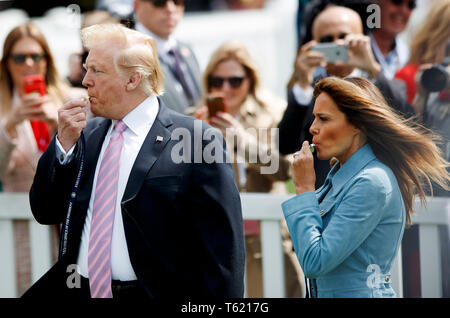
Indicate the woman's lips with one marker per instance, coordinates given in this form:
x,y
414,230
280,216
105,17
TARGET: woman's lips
x,y
316,145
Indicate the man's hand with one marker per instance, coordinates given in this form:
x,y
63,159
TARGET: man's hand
x,y
202,113
71,121
361,55
306,64
230,127
31,107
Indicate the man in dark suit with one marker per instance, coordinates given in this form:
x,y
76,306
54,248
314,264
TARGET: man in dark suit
x,y
141,225
340,25
180,67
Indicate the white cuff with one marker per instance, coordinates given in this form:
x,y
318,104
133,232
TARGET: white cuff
x,y
63,157
303,96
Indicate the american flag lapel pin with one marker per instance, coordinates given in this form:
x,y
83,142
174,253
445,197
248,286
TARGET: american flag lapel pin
x,y
159,138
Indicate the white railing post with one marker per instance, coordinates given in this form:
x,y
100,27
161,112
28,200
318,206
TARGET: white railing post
x,y
8,286
267,209
430,261
273,271
429,217
16,206
41,254
397,274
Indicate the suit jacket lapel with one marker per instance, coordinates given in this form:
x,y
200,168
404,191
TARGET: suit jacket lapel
x,y
150,151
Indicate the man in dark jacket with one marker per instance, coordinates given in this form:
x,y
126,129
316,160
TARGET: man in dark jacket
x,y
140,222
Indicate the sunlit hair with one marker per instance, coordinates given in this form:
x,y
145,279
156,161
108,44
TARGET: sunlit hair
x,y
408,148
432,37
56,87
137,53
235,50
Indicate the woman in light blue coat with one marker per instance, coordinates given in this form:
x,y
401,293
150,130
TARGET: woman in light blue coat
x,y
347,233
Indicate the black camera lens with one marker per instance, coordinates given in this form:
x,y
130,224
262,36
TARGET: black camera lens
x,y
436,78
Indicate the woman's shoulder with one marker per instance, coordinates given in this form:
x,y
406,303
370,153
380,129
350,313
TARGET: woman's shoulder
x,y
378,176
275,101
273,104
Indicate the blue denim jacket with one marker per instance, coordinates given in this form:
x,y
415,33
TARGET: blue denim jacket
x,y
347,234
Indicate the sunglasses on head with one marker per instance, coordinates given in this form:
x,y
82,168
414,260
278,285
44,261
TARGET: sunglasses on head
x,y
331,38
410,3
217,82
21,58
162,3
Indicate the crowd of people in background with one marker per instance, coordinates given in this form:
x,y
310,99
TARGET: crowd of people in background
x,y
28,121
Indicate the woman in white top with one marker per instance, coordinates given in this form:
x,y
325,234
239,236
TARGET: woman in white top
x,y
27,121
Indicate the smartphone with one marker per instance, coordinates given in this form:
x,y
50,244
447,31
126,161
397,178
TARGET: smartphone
x,y
34,83
332,52
215,104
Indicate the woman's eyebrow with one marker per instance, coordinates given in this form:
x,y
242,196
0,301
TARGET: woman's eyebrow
x,y
320,114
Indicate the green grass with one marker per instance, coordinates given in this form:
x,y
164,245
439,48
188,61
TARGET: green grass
x,y
290,186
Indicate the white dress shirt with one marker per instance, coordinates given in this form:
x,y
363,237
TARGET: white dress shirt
x,y
394,60
139,121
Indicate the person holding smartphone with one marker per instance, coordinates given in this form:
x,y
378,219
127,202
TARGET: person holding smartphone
x,y
236,103
27,121
341,26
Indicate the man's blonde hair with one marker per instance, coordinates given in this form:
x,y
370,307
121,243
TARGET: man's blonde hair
x,y
138,54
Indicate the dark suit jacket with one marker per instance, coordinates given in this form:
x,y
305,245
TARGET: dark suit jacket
x,y
294,126
182,222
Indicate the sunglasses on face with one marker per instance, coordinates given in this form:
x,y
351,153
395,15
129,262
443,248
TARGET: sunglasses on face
x,y
217,82
162,3
331,38
21,58
411,3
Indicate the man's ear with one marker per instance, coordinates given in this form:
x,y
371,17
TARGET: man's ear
x,y
133,81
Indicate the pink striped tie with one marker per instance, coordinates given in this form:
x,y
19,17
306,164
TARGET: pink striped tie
x,y
99,255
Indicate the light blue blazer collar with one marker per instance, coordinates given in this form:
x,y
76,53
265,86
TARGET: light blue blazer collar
x,y
339,176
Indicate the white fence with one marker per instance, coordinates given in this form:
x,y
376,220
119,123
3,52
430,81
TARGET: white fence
x,y
264,207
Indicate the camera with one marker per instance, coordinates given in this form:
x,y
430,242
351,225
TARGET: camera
x,y
437,77
332,52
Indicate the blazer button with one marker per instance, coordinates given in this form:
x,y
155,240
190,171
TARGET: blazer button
x,y
386,279
321,212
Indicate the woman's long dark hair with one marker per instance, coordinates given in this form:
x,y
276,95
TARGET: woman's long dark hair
x,y
408,148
